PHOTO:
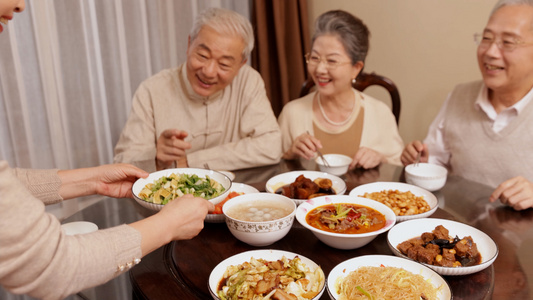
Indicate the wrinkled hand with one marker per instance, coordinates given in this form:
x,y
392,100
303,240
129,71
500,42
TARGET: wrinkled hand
x,y
410,153
171,148
184,216
366,158
305,146
116,180
516,192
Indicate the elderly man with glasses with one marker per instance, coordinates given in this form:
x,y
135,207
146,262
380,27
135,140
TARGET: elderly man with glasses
x,y
483,132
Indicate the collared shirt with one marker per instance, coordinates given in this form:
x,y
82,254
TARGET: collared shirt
x,y
439,154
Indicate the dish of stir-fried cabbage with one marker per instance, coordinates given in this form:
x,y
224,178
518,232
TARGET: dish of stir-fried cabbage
x,y
260,279
168,188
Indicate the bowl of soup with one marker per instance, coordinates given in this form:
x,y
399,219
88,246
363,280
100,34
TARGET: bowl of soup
x,y
259,219
345,222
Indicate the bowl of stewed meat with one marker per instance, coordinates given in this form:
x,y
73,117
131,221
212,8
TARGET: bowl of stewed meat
x,y
303,185
448,247
259,219
343,221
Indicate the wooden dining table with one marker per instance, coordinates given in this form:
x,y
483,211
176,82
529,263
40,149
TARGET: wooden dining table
x,y
180,269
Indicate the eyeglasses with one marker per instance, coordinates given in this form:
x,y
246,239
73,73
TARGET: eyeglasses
x,y
484,41
314,60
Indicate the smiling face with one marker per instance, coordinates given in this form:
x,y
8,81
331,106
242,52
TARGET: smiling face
x,y
332,81
7,9
508,72
213,60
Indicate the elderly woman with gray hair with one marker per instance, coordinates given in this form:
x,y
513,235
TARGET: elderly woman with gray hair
x,y
336,118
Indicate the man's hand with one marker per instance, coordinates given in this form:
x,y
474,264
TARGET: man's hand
x,y
171,148
516,192
410,152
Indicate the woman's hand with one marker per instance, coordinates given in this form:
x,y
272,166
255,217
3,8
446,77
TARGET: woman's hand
x,y
116,180
366,158
410,152
516,192
113,180
304,146
180,219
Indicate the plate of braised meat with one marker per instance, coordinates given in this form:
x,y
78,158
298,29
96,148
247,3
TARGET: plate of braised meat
x,y
304,185
448,247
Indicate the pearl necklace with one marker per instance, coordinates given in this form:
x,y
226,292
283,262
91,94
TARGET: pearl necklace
x,y
330,121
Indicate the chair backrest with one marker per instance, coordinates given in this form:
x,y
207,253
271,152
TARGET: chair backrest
x,y
365,80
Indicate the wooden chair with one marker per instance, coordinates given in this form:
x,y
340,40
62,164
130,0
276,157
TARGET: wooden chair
x,y
365,80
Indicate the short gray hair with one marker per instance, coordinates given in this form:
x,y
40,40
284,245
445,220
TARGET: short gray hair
x,y
352,32
502,3
226,22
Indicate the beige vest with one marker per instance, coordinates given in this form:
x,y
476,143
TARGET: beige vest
x,y
477,152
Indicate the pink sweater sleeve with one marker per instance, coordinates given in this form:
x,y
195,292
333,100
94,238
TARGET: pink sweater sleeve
x,y
38,259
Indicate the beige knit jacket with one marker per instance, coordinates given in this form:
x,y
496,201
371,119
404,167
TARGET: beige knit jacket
x,y
233,129
37,258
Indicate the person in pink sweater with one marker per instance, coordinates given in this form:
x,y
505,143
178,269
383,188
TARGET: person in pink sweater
x,y
38,259
483,131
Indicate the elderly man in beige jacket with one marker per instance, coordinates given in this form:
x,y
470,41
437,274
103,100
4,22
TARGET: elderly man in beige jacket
x,y
212,111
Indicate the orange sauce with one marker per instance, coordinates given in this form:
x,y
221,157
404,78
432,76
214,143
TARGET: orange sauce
x,y
360,219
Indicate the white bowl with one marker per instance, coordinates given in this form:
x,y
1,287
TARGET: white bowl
x,y
235,187
142,182
414,228
79,227
280,180
260,233
230,174
431,200
428,176
340,240
344,268
338,163
270,255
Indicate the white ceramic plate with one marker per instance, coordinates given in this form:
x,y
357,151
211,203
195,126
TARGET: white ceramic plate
x,y
79,227
414,228
344,268
142,182
230,174
270,254
432,201
276,182
235,187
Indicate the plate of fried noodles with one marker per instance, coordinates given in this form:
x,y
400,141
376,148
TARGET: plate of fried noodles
x,y
385,277
267,274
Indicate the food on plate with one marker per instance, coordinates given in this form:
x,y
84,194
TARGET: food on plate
x,y
439,249
262,279
168,188
384,283
345,218
259,211
305,188
218,206
402,203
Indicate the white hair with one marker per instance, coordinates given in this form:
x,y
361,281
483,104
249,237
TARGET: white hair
x,y
502,3
226,22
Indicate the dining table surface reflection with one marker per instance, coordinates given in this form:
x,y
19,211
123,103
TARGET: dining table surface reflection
x,y
180,270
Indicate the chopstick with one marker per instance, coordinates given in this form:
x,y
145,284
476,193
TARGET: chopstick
x,y
418,158
320,154
323,158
